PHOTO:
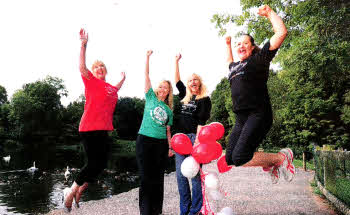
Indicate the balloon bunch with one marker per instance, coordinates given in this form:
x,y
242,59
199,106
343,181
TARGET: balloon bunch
x,y
206,151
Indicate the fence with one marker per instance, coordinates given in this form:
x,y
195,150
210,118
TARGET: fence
x,y
332,171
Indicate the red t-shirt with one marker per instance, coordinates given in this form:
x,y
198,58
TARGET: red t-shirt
x,y
101,99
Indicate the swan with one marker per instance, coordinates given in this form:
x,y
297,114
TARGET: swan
x,y
33,168
67,173
7,158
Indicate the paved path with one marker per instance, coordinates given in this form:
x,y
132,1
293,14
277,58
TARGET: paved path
x,y
249,191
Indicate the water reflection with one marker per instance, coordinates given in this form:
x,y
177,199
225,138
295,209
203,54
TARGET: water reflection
x,y
25,192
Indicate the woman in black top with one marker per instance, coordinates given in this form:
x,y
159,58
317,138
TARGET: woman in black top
x,y
251,103
195,111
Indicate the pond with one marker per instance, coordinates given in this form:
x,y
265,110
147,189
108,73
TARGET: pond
x,y
23,192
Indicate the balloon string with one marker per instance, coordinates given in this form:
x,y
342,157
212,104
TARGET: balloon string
x,y
206,207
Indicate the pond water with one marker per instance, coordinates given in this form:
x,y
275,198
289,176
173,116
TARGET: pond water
x,y
23,192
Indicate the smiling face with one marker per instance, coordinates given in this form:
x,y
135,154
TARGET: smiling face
x,y
194,84
99,70
244,47
163,90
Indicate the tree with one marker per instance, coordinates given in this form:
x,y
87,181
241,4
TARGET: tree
x,y
3,95
128,117
4,110
71,116
219,111
315,63
35,109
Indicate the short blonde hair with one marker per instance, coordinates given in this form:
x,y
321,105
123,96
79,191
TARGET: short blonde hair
x,y
169,99
202,90
98,63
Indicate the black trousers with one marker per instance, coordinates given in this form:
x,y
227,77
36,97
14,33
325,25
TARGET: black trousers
x,y
97,146
249,131
152,157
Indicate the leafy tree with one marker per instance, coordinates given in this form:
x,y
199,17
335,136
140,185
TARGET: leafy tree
x,y
128,117
219,111
71,116
4,109
315,63
35,109
3,95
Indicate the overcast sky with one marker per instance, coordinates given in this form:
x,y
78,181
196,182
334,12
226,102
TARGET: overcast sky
x,y
41,37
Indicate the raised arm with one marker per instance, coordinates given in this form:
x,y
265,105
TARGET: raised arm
x,y
82,65
177,71
147,79
121,82
229,50
278,26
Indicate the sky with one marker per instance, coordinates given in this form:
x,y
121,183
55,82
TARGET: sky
x,y
41,37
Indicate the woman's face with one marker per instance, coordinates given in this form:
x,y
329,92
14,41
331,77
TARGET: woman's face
x,y
100,72
194,84
163,90
244,47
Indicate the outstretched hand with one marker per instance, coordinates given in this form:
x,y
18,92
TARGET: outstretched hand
x,y
83,36
149,53
122,74
264,10
228,40
178,57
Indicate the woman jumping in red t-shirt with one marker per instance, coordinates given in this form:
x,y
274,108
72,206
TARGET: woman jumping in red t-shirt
x,y
101,99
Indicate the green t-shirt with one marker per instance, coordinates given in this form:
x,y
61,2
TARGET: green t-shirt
x,y
156,117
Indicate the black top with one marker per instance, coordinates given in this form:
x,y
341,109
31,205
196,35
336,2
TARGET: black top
x,y
195,113
248,80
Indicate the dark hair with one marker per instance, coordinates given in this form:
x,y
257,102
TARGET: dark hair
x,y
256,48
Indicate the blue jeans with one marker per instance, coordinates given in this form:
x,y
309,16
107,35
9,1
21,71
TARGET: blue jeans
x,y
188,206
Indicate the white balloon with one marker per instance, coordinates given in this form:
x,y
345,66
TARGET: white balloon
x,y
189,167
226,211
216,195
212,181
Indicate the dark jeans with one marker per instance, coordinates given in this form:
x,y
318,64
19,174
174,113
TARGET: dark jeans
x,y
97,145
188,205
152,157
249,131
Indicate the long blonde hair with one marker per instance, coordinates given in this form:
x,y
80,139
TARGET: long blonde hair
x,y
202,90
169,99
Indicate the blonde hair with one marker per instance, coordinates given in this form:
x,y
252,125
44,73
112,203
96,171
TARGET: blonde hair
x,y
202,90
169,99
98,63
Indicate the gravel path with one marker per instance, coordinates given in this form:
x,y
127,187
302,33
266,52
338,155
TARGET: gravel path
x,y
249,191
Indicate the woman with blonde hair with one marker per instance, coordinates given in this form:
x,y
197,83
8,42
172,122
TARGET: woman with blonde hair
x,y
195,111
152,144
96,122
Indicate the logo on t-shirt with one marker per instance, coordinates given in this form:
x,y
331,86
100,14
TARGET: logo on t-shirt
x,y
111,91
237,70
159,115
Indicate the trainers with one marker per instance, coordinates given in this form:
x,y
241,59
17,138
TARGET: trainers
x,y
273,172
66,191
287,168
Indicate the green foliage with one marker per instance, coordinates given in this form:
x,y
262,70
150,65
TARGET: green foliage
x,y
35,110
343,190
128,117
3,95
71,116
311,96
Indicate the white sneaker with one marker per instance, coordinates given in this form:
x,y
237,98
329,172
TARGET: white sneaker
x,y
274,173
287,168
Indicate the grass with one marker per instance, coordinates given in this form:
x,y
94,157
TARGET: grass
x,y
127,147
299,164
315,188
